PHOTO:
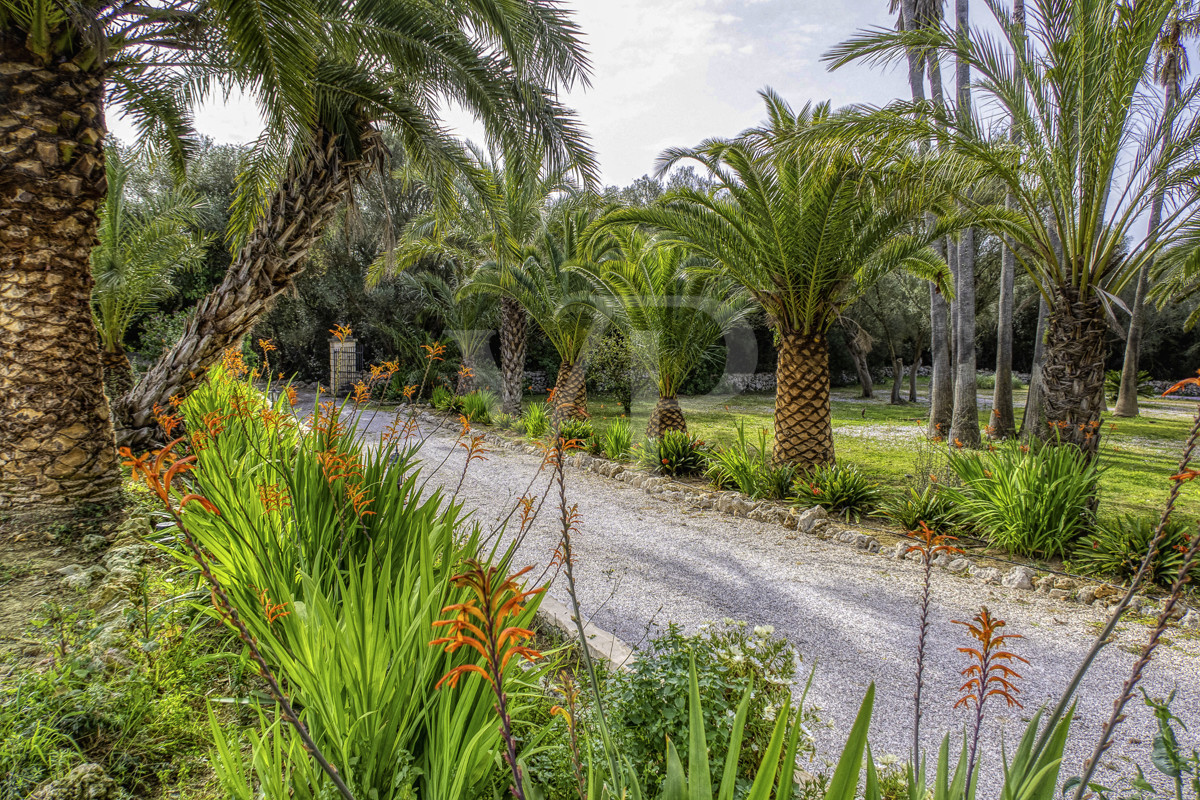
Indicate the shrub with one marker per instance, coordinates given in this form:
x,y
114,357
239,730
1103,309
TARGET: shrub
x,y
1112,384
989,382
502,421
841,488
536,420
649,701
776,481
748,468
1117,548
443,399
617,440
1028,500
479,405
578,429
675,453
930,505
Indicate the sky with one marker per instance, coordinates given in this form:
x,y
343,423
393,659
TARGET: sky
x,y
673,72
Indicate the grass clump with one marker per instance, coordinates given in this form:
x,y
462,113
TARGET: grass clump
x,y
536,420
930,505
1117,546
616,442
478,406
839,488
675,453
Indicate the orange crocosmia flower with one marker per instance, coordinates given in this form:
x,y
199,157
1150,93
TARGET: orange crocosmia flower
x,y
159,470
175,401
290,393
1186,475
266,345
362,392
341,332
435,351
989,673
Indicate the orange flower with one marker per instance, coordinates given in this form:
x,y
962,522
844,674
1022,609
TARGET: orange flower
x,y
175,401
1186,475
341,332
409,391
274,497
290,393
266,345
1185,382
989,674
435,351
272,611
930,544
362,392
160,473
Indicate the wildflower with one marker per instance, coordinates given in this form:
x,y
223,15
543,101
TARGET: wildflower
x,y
290,393
1186,475
272,611
266,345
434,352
175,401
341,332
158,480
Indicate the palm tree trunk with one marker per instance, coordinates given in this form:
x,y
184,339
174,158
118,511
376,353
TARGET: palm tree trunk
x,y
666,416
1073,373
56,435
570,394
1003,423
274,254
466,376
941,383
118,373
1031,418
803,426
1127,397
513,324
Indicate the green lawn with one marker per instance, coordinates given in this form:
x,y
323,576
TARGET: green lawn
x,y
888,441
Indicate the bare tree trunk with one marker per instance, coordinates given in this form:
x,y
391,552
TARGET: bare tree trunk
x,y
56,435
912,378
857,346
1127,397
897,380
316,184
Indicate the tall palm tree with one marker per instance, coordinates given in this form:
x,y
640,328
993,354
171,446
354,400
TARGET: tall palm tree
x,y
140,249
559,298
466,318
510,90
1170,69
1087,152
496,217
671,313
805,231
1003,424
964,422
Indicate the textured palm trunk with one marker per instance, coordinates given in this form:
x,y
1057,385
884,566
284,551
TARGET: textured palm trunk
x,y
1073,372
1031,416
56,435
666,416
274,254
118,373
513,324
570,394
803,427
1127,396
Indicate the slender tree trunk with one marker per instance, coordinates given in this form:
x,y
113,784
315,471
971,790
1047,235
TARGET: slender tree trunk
x,y
1127,397
570,394
1073,372
897,381
1003,424
118,373
276,252
56,434
859,357
803,426
912,378
964,425
666,416
1032,418
466,376
941,383
513,324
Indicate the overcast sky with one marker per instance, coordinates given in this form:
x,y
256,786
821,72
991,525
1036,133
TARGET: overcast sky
x,y
673,72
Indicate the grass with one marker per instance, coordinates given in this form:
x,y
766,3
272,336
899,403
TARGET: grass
x,y
1137,456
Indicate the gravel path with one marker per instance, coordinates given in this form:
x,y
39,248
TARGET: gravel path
x,y
642,561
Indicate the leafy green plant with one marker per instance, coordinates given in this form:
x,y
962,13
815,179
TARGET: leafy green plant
x,y
1117,547
580,430
1112,384
479,405
731,666
536,420
930,505
502,421
989,382
616,442
444,399
841,488
1028,500
675,453
737,466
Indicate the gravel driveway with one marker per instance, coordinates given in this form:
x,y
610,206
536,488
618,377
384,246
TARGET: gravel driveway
x,y
643,561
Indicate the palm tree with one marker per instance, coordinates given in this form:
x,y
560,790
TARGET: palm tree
x,y
466,318
496,217
557,295
1087,152
805,231
140,249
1170,69
669,311
448,50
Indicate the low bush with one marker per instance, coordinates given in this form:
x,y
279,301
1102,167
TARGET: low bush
x,y
989,382
675,453
502,421
479,405
536,420
748,468
1117,546
930,505
616,442
579,430
840,488
649,700
1032,501
443,399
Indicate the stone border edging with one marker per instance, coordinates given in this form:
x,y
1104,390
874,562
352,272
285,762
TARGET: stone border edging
x,y
601,644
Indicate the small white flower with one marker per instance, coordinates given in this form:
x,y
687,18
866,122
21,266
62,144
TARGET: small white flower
x,y
764,630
